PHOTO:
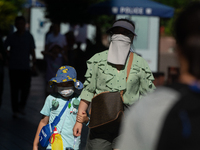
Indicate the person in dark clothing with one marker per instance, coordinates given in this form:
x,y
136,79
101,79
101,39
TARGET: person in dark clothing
x,y
2,63
80,62
69,51
159,78
22,46
168,119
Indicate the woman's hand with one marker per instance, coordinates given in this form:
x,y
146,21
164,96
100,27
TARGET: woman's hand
x,y
82,118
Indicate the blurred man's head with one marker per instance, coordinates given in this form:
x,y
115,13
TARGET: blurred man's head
x,y
20,23
187,35
56,28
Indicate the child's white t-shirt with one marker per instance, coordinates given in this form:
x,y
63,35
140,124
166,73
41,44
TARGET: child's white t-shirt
x,y
65,125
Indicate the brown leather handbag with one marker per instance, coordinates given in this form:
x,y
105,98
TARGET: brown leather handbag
x,y
107,108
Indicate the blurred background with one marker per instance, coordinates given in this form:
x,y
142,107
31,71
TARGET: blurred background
x,y
88,20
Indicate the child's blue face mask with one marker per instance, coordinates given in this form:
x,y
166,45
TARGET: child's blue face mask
x,y
66,91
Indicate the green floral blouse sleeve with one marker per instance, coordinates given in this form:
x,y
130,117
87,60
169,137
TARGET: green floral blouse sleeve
x,y
90,79
139,81
146,84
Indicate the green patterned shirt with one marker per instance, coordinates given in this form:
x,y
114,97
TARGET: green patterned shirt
x,y
103,76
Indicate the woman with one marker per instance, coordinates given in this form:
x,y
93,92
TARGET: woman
x,y
107,71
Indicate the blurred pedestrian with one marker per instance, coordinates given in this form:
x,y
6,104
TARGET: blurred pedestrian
x,y
2,64
168,119
107,71
22,46
173,75
79,62
70,38
159,78
54,59
56,37
48,32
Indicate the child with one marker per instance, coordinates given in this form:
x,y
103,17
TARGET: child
x,y
66,83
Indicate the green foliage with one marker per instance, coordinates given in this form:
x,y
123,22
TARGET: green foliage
x,y
73,11
76,12
18,4
8,11
178,5
104,22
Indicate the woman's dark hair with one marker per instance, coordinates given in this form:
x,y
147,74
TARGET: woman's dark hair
x,y
187,35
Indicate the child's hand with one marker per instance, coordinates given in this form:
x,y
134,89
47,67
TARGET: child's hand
x,y
77,129
82,118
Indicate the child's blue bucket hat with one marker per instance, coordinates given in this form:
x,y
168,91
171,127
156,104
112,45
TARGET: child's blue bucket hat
x,y
65,74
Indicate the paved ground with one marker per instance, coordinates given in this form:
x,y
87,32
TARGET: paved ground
x,y
18,134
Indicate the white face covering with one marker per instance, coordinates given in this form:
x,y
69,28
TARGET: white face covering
x,y
118,49
66,91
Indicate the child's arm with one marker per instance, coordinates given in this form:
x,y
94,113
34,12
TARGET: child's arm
x,y
78,126
44,121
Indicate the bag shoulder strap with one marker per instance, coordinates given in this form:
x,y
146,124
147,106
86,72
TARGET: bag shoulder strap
x,y
128,71
63,109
